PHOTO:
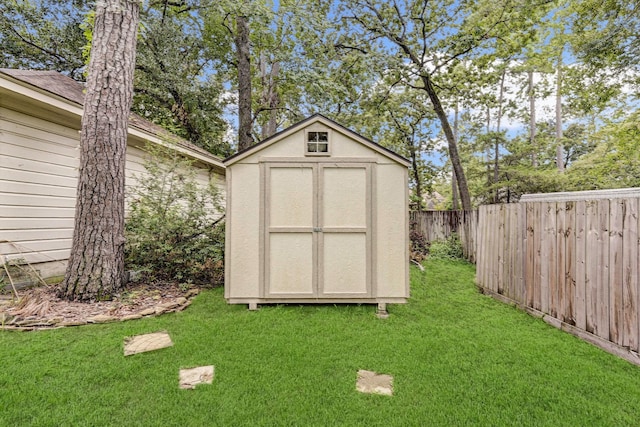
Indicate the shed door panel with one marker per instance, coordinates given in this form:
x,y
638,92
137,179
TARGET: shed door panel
x,y
291,268
317,241
289,241
345,212
344,265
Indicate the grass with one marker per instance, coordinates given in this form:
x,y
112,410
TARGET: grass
x,y
458,358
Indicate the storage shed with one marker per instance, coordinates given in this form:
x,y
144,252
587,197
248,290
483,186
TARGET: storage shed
x,y
317,213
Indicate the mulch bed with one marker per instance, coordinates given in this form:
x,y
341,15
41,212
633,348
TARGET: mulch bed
x,y
40,308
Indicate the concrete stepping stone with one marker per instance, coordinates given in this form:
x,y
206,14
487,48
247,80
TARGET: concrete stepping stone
x,y
374,383
147,342
191,377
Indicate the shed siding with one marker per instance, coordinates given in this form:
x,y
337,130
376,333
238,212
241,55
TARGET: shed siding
x,y
243,251
293,147
392,262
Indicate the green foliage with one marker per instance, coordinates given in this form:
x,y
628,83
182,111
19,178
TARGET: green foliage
x,y
614,163
43,35
171,86
171,230
447,249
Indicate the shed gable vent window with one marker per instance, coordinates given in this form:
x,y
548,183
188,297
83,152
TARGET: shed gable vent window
x,y
318,143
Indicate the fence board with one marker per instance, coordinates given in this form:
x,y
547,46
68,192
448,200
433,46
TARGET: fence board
x,y
617,207
500,227
592,266
548,259
479,245
560,275
602,278
569,315
580,266
537,267
523,237
509,248
630,263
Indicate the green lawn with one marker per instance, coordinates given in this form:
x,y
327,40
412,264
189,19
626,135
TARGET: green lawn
x,y
458,358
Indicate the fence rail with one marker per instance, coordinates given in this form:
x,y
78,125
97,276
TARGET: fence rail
x,y
440,225
575,261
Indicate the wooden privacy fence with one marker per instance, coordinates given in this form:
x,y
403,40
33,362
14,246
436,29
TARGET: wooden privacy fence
x,y
440,225
571,258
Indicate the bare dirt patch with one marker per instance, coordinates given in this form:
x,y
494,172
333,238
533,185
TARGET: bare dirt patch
x,y
40,308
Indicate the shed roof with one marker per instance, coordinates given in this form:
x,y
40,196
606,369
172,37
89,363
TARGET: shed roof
x,y
65,87
307,122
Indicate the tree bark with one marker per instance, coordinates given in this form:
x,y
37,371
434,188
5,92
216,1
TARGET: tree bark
x,y
96,263
451,142
559,156
532,121
270,99
416,175
496,154
454,181
245,139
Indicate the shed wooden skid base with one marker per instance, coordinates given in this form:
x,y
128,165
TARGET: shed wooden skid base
x,y
316,301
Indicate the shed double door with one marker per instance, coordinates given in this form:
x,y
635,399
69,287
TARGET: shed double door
x,y
317,230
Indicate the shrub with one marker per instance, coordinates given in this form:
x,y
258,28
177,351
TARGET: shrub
x,y
450,248
171,231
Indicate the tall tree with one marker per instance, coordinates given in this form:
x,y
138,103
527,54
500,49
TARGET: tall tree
x,y
532,117
245,120
96,264
430,37
559,143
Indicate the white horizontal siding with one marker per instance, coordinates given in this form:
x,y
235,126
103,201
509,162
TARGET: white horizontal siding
x,y
38,129
26,234
41,257
38,177
41,224
36,212
36,189
46,147
22,199
30,246
34,161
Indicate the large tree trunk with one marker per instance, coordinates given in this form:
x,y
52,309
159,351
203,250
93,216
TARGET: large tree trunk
x,y
496,148
269,99
454,181
245,139
96,264
416,175
451,143
532,121
559,155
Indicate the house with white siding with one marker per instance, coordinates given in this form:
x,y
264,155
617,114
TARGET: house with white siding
x,y
40,114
